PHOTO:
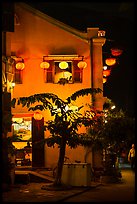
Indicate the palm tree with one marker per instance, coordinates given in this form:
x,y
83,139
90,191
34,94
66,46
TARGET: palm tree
x,y
64,127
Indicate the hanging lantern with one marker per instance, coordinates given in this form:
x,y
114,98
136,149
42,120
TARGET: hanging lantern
x,y
37,116
82,65
110,61
20,65
106,72
116,52
44,65
104,80
63,65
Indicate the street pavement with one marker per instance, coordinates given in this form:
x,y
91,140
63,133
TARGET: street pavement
x,y
123,191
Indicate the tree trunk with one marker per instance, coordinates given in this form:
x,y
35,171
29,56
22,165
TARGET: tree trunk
x,y
57,181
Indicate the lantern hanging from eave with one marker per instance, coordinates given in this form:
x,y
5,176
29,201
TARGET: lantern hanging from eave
x,y
44,65
104,80
116,52
20,65
82,65
106,72
110,61
63,65
37,116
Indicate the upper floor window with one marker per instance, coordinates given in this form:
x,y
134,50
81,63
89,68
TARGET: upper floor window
x,y
55,74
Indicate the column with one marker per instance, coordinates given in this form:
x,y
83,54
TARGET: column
x,y
97,70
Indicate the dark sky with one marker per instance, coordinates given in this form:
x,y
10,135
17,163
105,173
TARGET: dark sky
x,y
117,19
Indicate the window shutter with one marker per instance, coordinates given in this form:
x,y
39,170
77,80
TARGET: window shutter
x,y
77,73
48,73
18,75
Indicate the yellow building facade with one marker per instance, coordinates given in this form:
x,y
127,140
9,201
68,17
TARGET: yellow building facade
x,y
39,37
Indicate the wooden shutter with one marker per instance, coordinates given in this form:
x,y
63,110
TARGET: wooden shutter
x,y
77,73
48,73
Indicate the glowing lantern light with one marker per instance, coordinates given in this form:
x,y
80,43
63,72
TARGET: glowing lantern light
x,y
82,65
110,61
116,52
63,65
20,65
104,80
44,65
37,116
106,72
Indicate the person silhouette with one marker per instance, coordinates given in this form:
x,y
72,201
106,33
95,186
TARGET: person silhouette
x,y
131,156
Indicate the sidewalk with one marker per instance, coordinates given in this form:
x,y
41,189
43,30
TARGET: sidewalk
x,y
33,192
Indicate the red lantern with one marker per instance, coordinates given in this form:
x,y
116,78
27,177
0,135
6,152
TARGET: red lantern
x,y
110,61
106,72
116,52
37,116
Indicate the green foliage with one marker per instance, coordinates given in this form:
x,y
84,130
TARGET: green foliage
x,y
113,127
63,81
66,121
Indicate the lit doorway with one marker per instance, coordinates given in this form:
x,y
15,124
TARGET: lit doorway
x,y
22,140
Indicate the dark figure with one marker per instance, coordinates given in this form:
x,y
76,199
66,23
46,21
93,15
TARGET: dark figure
x,y
131,157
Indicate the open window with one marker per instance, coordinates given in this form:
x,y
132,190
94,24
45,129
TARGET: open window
x,y
71,74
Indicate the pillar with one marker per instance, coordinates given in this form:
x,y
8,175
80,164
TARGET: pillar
x,y
97,70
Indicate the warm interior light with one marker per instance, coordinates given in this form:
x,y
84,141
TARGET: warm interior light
x,y
13,84
110,61
37,116
82,64
44,65
20,65
63,65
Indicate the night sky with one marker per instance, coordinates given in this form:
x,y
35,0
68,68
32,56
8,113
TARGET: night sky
x,y
117,19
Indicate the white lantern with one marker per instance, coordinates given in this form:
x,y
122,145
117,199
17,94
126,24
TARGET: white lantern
x,y
63,65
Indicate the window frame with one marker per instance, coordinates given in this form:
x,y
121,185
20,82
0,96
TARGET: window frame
x,y
74,67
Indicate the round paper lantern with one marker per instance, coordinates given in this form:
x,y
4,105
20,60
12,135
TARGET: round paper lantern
x,y
116,52
82,65
63,65
104,80
37,116
44,65
106,72
20,65
110,61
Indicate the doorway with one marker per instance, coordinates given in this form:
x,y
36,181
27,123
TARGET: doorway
x,y
22,140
